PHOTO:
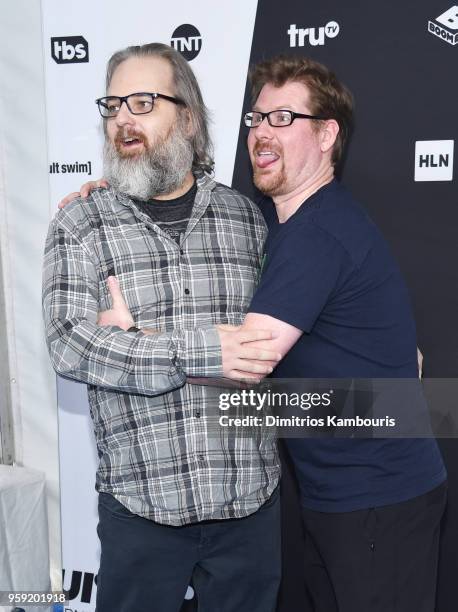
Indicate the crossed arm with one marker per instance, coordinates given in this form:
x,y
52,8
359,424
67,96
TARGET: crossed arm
x,y
250,351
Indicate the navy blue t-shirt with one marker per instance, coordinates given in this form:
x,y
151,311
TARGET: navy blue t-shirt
x,y
328,271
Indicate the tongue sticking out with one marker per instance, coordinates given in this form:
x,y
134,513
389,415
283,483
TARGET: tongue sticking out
x,y
264,159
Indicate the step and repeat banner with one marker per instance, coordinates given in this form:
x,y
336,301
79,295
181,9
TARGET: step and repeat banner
x,y
399,59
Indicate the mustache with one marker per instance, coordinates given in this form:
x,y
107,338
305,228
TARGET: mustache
x,y
265,146
124,133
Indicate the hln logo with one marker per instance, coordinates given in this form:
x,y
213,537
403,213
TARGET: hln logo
x,y
434,160
314,36
187,40
446,26
69,49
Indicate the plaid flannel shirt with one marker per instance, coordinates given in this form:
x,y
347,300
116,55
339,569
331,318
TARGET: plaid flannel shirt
x,y
156,455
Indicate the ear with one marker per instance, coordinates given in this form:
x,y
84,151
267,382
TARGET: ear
x,y
188,123
328,134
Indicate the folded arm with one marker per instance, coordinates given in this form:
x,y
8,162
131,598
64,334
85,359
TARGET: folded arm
x,y
110,356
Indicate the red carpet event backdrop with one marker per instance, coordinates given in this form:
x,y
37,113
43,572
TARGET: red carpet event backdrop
x,y
399,59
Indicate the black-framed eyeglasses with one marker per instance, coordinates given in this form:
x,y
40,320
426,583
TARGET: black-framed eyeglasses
x,y
276,118
138,103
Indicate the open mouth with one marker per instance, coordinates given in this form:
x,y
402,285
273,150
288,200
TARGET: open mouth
x,y
265,158
129,143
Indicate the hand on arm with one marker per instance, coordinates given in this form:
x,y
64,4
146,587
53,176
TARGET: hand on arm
x,y
252,350
284,335
84,191
247,353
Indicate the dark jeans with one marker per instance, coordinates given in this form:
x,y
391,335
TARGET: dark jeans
x,y
146,567
377,560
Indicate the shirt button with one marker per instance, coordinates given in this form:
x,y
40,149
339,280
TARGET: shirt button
x,y
186,291
201,458
181,252
197,414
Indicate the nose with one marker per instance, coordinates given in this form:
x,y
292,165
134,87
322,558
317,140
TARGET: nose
x,y
264,130
124,116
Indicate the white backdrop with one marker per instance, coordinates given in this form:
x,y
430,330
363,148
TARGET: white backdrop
x,y
75,139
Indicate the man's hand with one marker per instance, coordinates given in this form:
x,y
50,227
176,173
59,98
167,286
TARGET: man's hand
x,y
84,191
242,361
119,313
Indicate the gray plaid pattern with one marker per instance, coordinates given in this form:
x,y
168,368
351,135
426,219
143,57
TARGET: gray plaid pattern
x,y
157,456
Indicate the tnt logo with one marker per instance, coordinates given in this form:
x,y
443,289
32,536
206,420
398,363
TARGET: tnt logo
x,y
187,40
69,49
314,36
434,160
446,26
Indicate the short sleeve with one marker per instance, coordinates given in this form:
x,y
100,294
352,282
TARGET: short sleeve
x,y
302,269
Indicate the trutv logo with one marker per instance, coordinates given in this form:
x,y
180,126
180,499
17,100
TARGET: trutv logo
x,y
313,36
69,49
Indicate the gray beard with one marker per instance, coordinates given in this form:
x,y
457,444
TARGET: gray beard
x,y
158,171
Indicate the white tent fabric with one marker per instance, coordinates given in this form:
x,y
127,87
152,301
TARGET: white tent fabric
x,y
24,553
6,417
24,216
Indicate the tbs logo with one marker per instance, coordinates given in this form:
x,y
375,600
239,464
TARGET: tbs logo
x,y
69,49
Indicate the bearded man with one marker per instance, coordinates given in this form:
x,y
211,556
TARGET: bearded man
x,y
174,502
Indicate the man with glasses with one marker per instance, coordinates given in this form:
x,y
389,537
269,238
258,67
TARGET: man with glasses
x,y
176,500
332,293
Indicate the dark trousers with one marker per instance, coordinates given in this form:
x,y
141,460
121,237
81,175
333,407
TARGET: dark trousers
x,y
377,560
146,567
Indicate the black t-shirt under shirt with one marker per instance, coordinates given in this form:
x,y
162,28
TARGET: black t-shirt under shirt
x,y
171,216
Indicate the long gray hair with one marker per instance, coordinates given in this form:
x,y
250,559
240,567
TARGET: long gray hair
x,y
186,88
